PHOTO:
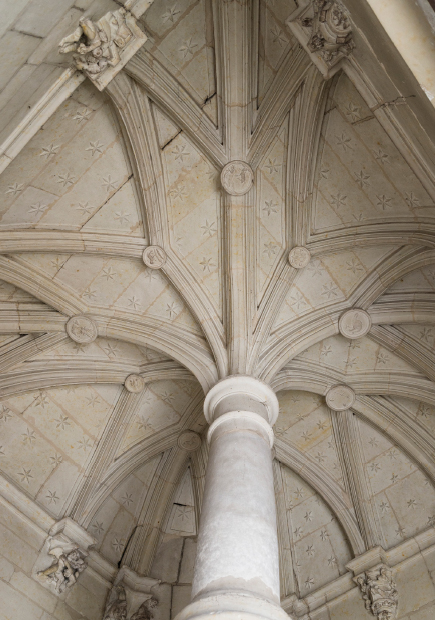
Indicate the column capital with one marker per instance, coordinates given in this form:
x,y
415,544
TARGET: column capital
x,y
241,393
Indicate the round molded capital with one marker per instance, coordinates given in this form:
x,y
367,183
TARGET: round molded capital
x,y
241,393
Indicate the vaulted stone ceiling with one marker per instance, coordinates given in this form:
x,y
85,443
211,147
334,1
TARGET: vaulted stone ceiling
x,y
343,166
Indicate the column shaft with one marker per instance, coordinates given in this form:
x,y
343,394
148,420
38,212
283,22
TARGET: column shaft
x,y
237,545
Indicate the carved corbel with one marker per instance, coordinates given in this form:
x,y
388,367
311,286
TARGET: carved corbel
x,y
324,30
101,49
131,597
64,556
375,580
379,592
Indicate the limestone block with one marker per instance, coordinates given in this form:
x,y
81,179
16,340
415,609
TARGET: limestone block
x,y
414,585
167,561
34,591
17,551
351,605
6,569
15,605
187,561
428,613
180,598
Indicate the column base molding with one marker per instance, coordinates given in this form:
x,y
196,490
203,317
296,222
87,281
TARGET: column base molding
x,y
232,606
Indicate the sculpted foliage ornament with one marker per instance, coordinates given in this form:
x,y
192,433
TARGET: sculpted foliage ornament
x,y
354,323
379,592
116,608
134,383
102,48
323,27
237,178
154,257
145,610
82,329
299,257
340,397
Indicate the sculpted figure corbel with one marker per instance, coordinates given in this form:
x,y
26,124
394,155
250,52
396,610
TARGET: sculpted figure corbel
x,y
69,562
102,48
379,592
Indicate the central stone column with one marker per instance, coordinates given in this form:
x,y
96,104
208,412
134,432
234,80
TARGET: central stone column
x,y
237,565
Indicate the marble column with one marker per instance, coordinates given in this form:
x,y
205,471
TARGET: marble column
x,y
237,566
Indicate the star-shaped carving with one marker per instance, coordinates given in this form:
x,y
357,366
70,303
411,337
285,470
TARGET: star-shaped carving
x,y
278,36
353,112
134,303
82,115
85,208
270,206
62,421
122,216
172,310
383,202
47,151
170,14
344,141
51,497
207,264
187,49
108,183
14,189
270,249
25,475
209,229
66,179
95,147
180,152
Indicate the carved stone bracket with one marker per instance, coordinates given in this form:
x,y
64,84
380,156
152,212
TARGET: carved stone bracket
x,y
375,580
131,597
323,28
63,556
101,49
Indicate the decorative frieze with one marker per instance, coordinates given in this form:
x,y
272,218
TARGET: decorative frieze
x,y
379,592
102,48
324,29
